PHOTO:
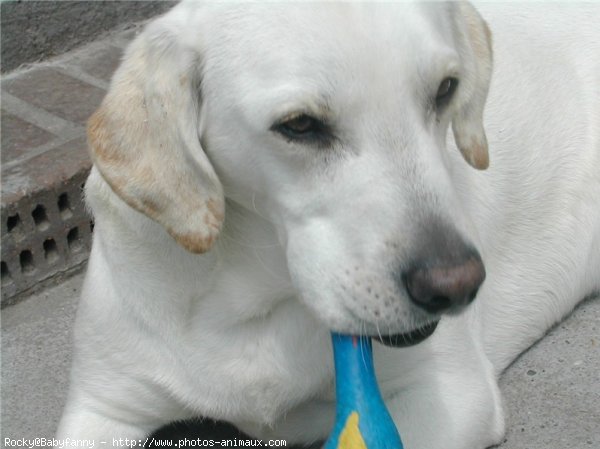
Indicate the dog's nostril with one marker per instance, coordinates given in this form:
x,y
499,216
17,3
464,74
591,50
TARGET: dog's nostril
x,y
440,302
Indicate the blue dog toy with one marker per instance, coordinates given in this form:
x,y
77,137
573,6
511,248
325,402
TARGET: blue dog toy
x,y
362,420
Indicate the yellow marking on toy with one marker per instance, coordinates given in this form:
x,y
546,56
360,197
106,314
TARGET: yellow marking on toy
x,y
351,438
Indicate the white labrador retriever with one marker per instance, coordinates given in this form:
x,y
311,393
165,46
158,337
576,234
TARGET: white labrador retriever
x,y
265,173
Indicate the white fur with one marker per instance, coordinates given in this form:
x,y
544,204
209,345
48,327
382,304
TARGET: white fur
x,y
241,332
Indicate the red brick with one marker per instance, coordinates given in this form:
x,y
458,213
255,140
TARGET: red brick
x,y
18,136
56,92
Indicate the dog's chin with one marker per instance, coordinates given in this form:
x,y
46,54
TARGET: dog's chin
x,y
409,338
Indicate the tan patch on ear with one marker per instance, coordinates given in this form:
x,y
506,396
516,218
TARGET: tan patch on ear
x,y
99,138
477,155
213,219
101,149
149,207
216,208
109,158
195,243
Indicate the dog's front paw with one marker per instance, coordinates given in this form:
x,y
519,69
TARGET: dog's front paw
x,y
448,414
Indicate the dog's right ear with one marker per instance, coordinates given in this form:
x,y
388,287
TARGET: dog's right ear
x,y
144,139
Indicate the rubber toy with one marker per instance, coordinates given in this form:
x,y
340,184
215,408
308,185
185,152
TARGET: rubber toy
x,y
362,420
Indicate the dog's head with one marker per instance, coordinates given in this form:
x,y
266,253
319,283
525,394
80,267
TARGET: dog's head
x,y
331,121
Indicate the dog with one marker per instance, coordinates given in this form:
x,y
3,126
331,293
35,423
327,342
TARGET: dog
x,y
265,174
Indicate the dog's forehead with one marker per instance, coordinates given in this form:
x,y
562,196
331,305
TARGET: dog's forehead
x,y
298,39
269,58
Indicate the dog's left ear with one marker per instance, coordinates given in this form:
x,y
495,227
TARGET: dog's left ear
x,y
144,139
475,47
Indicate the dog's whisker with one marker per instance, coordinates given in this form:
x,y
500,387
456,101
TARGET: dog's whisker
x,y
378,331
256,209
362,348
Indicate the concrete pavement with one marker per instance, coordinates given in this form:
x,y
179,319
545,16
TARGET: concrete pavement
x,y
37,30
552,391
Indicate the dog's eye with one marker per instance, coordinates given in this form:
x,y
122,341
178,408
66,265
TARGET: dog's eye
x,y
304,128
445,91
300,125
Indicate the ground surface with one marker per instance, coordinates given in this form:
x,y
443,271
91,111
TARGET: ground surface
x,y
552,392
36,30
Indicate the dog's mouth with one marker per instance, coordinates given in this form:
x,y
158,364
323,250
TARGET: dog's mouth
x,y
410,338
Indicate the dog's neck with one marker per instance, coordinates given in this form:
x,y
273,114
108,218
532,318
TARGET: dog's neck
x,y
243,277
250,264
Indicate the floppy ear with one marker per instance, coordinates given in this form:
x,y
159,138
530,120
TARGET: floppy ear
x,y
476,51
144,140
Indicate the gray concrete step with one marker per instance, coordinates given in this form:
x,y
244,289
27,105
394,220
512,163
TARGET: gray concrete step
x,y
33,31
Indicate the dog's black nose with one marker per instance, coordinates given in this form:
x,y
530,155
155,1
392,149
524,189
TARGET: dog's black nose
x,y
442,285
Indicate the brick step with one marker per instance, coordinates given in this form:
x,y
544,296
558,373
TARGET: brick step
x,y
46,232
